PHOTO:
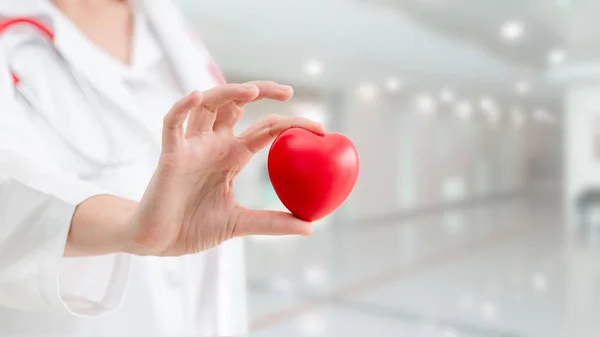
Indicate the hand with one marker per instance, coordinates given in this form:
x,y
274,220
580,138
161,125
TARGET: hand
x,y
189,205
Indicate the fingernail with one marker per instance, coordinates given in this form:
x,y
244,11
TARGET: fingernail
x,y
286,88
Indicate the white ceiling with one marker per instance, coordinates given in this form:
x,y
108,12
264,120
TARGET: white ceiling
x,y
426,43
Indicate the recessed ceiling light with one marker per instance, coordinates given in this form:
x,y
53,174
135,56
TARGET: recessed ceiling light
x,y
425,103
512,30
557,56
446,95
487,103
393,84
464,109
522,87
313,67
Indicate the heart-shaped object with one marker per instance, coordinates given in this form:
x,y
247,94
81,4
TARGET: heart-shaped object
x,y
312,174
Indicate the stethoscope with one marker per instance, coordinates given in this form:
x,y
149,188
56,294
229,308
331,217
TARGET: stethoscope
x,y
46,36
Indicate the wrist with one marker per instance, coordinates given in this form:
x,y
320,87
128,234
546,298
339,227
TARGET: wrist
x,y
101,225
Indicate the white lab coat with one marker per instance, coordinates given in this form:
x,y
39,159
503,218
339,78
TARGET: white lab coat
x,y
42,180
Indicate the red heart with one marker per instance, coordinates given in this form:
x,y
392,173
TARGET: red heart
x,y
312,174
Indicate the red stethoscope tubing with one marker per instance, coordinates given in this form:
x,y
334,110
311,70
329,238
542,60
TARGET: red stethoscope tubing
x,y
31,22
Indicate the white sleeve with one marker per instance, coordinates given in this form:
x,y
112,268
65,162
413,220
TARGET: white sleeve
x,y
37,202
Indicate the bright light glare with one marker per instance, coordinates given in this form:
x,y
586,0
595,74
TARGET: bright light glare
x,y
393,84
512,30
425,103
313,67
487,103
446,95
557,56
464,109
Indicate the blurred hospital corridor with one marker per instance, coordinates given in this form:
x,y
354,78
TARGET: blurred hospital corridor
x,y
477,126
499,269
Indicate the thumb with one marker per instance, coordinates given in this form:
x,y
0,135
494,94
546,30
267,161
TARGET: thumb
x,y
253,222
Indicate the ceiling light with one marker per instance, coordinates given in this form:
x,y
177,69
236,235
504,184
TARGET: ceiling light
x,y
522,87
512,30
367,91
557,56
487,103
464,109
446,95
393,84
313,67
425,103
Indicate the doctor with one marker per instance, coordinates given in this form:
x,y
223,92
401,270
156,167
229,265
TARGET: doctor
x,y
117,166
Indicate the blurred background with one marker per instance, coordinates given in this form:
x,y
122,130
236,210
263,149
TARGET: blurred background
x,y
476,122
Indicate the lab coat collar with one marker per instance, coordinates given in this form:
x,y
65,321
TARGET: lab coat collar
x,y
105,79
191,62
65,41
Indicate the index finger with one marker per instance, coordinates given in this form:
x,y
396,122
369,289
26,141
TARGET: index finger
x,y
261,134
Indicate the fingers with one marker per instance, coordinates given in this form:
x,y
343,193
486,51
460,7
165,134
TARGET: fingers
x,y
173,121
231,113
203,117
261,134
251,222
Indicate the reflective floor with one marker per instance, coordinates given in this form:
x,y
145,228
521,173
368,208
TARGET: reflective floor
x,y
508,268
